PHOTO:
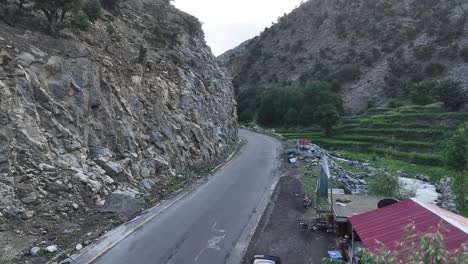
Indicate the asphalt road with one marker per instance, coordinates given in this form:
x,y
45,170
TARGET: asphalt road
x,y
205,226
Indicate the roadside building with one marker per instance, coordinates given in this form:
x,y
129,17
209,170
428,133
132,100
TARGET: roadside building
x,y
387,226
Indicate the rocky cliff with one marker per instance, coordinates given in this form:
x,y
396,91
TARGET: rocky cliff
x,y
374,50
136,99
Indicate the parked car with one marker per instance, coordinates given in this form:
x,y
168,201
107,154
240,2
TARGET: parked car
x,y
266,259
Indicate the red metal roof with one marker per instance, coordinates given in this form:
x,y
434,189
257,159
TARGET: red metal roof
x,y
387,225
303,142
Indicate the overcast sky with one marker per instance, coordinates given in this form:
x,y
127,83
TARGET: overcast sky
x,y
227,23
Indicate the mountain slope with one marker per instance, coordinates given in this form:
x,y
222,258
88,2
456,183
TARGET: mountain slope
x,y
374,50
119,109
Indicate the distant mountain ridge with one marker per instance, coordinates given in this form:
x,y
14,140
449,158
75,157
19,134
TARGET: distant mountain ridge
x,y
373,49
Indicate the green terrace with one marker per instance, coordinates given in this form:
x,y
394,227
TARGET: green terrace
x,y
409,137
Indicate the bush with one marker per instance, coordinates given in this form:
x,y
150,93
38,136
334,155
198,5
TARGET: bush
x,y
421,92
92,9
80,21
424,52
434,69
451,94
464,54
111,4
385,184
348,72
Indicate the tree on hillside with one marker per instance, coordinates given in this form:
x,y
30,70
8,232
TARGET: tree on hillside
x,y
291,117
451,94
327,117
113,5
92,9
56,10
456,157
421,92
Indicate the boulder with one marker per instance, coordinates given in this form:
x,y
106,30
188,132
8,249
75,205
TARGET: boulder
x,y
125,204
34,251
51,248
79,247
4,57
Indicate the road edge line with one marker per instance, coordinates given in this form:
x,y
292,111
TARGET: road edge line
x,y
179,197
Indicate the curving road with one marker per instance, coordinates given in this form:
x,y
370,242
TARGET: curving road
x,y
206,225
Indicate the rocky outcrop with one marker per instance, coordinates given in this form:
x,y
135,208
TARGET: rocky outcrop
x,y
371,50
136,99
448,199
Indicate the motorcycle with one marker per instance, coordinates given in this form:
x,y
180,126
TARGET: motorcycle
x,y
307,202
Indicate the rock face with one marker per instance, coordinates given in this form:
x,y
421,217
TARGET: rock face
x,y
133,100
372,49
448,198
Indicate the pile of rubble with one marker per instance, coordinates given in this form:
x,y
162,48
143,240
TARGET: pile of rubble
x,y
356,183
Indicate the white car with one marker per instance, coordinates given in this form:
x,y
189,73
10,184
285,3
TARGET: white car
x,y
265,259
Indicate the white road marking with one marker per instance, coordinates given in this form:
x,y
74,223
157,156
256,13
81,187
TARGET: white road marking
x,y
214,241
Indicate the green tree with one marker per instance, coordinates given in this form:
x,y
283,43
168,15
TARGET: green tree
x,y
92,9
456,157
327,117
291,117
111,4
80,21
450,93
421,92
56,10
246,115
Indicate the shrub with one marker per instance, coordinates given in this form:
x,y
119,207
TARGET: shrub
x,y
421,92
464,54
111,4
424,52
348,72
434,69
80,21
385,184
456,149
450,93
92,9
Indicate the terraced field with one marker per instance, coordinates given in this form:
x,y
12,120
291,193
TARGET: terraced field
x,y
409,138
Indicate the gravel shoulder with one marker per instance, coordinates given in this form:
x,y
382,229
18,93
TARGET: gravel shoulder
x,y
278,231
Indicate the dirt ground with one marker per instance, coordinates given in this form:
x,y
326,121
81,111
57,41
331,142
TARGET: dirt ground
x,y
278,232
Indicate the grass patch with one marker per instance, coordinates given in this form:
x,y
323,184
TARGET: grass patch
x,y
309,177
9,260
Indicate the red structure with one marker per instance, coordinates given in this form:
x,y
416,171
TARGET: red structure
x,y
304,142
387,224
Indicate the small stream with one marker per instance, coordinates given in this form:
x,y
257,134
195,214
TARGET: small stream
x,y
425,191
